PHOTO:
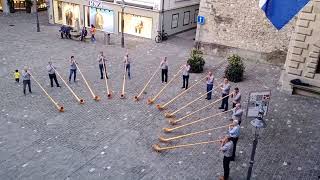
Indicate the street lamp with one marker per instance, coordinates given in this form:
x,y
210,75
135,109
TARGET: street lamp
x,y
122,23
258,124
38,25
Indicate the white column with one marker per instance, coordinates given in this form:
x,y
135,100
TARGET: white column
x,y
50,12
34,5
5,6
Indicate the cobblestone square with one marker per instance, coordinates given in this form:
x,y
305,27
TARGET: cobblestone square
x,y
112,138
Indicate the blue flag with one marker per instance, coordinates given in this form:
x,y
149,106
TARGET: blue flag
x,y
280,12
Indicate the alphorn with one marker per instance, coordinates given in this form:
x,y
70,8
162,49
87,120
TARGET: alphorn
x,y
123,83
162,139
106,79
173,122
60,108
144,88
170,115
151,100
95,97
81,101
158,148
167,130
161,107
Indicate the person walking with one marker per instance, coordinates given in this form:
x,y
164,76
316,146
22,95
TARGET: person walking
x,y
185,75
84,33
164,70
26,80
225,87
73,69
127,62
93,33
226,148
234,133
16,75
210,81
52,74
102,64
237,113
236,95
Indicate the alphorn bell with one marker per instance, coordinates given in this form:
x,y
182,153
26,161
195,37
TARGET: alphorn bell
x,y
170,115
173,122
151,100
161,107
162,139
158,148
123,83
144,88
168,130
60,108
81,101
95,97
106,80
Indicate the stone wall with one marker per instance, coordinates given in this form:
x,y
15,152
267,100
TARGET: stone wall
x,y
304,50
241,24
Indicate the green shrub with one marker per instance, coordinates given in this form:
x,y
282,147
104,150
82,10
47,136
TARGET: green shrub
x,y
196,61
235,69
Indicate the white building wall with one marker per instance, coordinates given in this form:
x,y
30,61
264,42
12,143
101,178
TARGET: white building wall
x,y
174,4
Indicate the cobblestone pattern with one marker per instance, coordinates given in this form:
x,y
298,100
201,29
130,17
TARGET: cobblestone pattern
x,y
112,139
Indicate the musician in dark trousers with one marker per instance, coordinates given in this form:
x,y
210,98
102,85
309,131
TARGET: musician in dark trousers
x,y
234,133
26,80
185,75
236,95
102,63
127,62
164,70
210,81
73,69
226,148
225,87
237,113
52,74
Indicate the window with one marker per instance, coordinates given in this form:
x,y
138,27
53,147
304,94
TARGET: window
x,y
186,18
174,21
318,66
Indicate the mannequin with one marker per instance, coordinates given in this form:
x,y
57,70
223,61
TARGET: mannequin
x,y
99,20
69,17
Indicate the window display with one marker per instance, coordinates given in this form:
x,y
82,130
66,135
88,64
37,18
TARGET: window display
x,y
0,5
102,19
186,18
136,25
66,13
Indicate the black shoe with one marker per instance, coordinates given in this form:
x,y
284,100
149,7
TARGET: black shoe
x,y
182,87
232,159
59,86
221,108
224,110
101,78
30,92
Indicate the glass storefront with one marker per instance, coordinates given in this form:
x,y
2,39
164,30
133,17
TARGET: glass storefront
x,y
136,25
66,13
102,19
21,4
0,5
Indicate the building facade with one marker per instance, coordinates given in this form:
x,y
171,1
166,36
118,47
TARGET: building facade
x,y
21,5
143,18
303,58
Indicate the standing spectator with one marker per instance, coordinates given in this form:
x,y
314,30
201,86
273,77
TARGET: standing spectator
x,y
127,62
26,80
226,148
236,95
52,74
237,113
73,69
164,70
93,33
210,81
84,33
234,133
16,75
225,87
102,63
185,75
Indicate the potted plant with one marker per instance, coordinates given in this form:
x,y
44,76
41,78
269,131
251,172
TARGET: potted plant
x,y
29,4
11,6
196,61
235,69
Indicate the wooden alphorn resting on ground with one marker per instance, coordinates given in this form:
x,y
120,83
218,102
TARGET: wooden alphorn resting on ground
x,y
167,130
161,107
170,115
173,122
144,88
158,148
122,96
162,139
106,80
95,97
81,101
151,100
60,108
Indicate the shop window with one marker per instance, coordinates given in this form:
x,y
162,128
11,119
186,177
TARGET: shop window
x,y
174,21
136,25
186,18
102,19
66,13
318,66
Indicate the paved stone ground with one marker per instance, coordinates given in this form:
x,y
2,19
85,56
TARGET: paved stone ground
x,y
112,139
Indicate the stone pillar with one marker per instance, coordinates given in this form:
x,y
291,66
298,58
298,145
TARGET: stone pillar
x,y
34,6
5,7
50,12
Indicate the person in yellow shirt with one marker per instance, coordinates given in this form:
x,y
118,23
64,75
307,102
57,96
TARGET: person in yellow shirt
x,y
16,75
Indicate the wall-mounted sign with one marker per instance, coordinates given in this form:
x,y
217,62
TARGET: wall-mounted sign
x,y
98,4
201,20
257,101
